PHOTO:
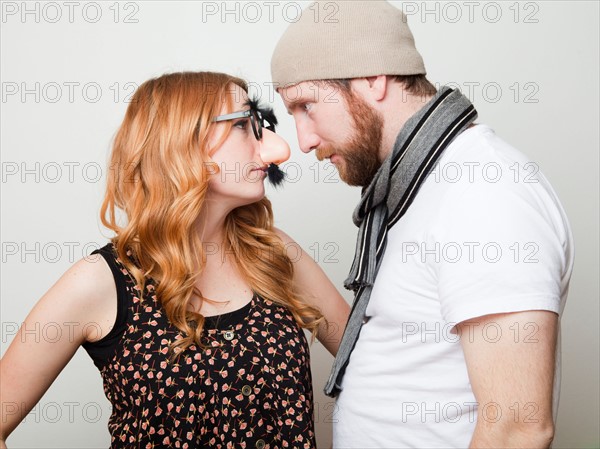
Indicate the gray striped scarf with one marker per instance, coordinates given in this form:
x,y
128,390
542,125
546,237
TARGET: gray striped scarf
x,y
385,200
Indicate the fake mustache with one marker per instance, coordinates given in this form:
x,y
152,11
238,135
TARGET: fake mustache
x,y
275,175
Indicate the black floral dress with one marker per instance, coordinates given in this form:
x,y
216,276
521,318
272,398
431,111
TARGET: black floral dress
x,y
249,388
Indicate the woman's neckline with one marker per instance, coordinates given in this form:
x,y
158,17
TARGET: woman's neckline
x,y
229,319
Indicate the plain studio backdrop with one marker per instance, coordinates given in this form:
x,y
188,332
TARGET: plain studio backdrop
x,y
68,70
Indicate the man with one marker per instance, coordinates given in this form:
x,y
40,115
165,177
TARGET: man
x,y
459,281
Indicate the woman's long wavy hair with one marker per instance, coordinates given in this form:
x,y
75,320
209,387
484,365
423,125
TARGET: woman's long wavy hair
x,y
159,171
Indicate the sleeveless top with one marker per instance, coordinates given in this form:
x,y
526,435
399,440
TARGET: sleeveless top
x,y
249,388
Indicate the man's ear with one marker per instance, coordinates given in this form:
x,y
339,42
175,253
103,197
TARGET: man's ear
x,y
372,87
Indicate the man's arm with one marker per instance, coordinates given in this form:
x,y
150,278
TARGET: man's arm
x,y
510,360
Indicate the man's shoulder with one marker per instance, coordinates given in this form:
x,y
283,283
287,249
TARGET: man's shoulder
x,y
479,160
480,145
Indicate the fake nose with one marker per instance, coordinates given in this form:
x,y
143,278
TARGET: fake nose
x,y
273,148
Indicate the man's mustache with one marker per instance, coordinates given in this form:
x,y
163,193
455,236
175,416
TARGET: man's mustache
x,y
276,175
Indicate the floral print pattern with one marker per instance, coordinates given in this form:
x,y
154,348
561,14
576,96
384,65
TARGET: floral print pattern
x,y
250,387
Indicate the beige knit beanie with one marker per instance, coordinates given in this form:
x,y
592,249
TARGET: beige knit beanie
x,y
353,40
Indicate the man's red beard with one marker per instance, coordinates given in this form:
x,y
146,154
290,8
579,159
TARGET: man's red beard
x,y
360,154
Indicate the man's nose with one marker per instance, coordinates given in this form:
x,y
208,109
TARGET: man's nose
x,y
307,140
273,148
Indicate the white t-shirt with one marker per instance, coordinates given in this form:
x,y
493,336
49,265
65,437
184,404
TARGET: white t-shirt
x,y
486,234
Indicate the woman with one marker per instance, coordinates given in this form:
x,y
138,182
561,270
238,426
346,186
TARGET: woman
x,y
197,308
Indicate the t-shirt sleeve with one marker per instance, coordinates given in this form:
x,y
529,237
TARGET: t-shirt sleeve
x,y
501,249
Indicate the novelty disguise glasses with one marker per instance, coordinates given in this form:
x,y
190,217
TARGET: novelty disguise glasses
x,y
260,117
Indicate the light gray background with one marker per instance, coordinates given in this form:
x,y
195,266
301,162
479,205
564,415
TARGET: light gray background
x,y
531,71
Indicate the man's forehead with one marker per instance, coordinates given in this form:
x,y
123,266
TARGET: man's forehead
x,y
307,91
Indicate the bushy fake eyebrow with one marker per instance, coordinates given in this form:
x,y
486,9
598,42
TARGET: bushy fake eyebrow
x,y
267,112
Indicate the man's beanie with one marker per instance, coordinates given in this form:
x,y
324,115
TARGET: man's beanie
x,y
353,40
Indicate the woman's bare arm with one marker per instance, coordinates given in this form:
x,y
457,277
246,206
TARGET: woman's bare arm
x,y
80,307
318,290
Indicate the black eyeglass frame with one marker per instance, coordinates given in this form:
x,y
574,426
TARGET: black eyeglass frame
x,y
256,120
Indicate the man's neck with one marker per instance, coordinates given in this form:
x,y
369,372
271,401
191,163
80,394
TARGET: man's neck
x,y
396,117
